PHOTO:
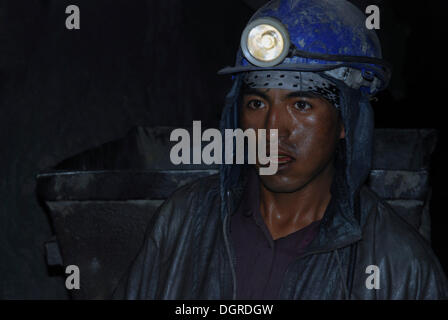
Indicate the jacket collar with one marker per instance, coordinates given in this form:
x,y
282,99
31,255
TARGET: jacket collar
x,y
339,226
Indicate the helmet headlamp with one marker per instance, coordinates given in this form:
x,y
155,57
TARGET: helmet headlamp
x,y
265,42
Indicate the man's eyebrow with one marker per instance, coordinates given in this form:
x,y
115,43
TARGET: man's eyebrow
x,y
256,92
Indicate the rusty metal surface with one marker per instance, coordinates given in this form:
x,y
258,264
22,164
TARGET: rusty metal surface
x,y
403,149
101,238
114,184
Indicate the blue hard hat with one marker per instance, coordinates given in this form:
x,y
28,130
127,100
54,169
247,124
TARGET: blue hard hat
x,y
327,36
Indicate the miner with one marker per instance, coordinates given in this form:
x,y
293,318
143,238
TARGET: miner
x,y
313,230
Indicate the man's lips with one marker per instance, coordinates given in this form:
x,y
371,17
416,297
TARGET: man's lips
x,y
282,158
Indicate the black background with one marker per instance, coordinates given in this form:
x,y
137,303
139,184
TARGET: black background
x,y
154,62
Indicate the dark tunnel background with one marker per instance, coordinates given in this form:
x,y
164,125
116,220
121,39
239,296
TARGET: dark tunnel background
x,y
154,63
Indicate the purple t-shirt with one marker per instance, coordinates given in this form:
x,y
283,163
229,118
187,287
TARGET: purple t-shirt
x,y
261,262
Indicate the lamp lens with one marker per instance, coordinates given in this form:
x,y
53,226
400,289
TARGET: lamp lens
x,y
265,42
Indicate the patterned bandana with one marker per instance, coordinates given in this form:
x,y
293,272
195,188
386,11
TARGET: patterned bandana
x,y
294,80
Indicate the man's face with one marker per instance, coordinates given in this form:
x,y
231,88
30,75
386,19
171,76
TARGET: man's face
x,y
309,128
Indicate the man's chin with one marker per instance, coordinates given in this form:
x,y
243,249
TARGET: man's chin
x,y
281,184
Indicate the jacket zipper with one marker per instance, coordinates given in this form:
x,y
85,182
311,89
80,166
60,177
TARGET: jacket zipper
x,y
351,242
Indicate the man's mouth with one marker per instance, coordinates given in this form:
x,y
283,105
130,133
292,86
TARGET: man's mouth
x,y
282,158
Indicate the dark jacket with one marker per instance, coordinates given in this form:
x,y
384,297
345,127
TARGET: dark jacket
x,y
187,253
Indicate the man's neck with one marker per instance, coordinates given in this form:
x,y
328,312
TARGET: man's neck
x,y
285,213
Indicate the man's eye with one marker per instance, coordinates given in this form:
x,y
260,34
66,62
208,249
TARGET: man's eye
x,y
255,104
302,105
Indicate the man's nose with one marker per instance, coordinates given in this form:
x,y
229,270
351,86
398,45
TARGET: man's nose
x,y
277,118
